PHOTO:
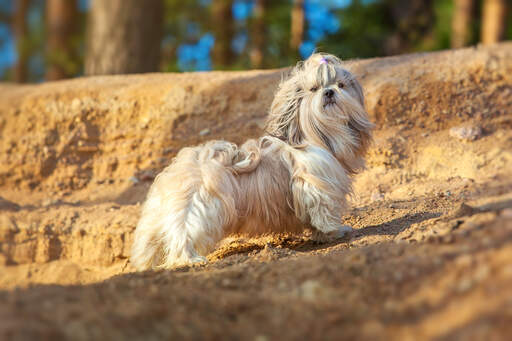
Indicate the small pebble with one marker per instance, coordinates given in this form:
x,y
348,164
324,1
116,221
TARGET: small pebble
x,y
204,132
506,213
146,176
466,133
465,284
482,273
311,290
377,196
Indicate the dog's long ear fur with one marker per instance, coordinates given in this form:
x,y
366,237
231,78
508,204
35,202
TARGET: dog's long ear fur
x,y
283,118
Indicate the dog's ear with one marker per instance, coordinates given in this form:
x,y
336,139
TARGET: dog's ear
x,y
283,119
359,91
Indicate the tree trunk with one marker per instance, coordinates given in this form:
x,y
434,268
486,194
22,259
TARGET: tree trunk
x,y
297,28
61,18
123,36
461,21
223,28
19,27
256,53
493,21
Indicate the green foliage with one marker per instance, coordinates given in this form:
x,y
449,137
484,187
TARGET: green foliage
x,y
363,31
440,35
278,21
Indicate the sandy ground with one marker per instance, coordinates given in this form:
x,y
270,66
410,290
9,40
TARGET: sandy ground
x,y
430,257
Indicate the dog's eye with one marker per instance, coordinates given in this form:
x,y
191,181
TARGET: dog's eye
x,y
341,85
313,89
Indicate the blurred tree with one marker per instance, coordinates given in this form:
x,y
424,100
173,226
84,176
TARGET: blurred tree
x,y
123,36
413,20
257,52
19,27
297,26
61,19
241,34
441,35
223,31
493,21
364,28
461,23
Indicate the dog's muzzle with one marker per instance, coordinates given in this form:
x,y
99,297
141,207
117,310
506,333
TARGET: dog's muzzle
x,y
329,97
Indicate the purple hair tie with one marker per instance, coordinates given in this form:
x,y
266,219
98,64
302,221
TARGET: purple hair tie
x,y
323,60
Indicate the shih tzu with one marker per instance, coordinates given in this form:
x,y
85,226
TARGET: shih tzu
x,y
295,177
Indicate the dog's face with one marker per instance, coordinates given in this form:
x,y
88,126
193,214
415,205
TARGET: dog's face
x,y
327,87
323,104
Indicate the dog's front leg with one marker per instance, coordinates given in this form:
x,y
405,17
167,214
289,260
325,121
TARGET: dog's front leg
x,y
322,211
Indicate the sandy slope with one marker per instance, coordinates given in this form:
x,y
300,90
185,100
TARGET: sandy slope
x,y
433,212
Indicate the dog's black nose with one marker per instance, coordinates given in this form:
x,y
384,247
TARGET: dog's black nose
x,y
329,93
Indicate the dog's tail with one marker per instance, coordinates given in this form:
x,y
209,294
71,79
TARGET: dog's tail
x,y
191,203
244,159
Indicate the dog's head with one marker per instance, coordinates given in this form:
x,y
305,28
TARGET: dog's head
x,y
321,103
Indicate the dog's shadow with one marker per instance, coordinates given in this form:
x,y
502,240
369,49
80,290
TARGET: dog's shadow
x,y
281,246
391,228
394,226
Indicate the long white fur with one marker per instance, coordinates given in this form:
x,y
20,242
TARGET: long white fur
x,y
295,177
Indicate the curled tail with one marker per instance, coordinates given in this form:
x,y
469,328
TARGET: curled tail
x,y
246,158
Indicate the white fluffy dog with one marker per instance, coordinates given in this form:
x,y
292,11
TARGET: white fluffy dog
x,y
295,177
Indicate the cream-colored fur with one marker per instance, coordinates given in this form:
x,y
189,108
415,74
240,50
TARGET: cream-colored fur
x,y
295,177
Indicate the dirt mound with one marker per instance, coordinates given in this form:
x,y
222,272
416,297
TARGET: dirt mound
x,y
429,258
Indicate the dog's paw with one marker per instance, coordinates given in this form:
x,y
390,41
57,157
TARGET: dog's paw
x,y
343,231
198,260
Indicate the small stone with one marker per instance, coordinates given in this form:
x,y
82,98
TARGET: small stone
x,y
466,133
50,202
465,284
134,179
482,273
228,283
76,104
146,176
449,238
377,196
261,338
463,210
311,290
270,253
466,182
506,213
464,260
204,132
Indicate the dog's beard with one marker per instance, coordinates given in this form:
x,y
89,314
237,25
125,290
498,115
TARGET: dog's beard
x,y
327,102
332,111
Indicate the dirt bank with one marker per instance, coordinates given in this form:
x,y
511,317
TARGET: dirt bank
x,y
430,257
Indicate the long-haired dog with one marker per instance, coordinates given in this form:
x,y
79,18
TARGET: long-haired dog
x,y
297,176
